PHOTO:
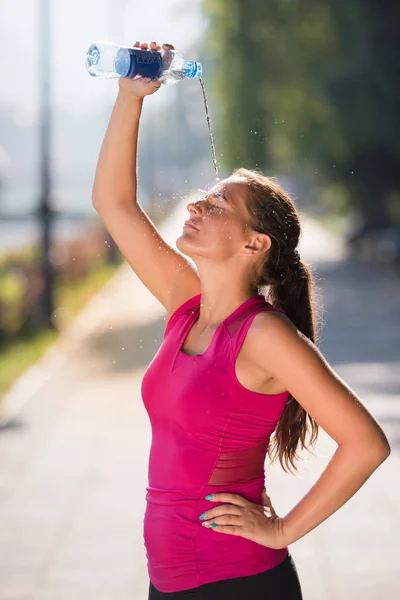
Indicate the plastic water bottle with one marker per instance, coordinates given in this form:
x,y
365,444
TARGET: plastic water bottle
x,y
106,60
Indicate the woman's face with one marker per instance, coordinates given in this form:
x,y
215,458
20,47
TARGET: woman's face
x,y
221,220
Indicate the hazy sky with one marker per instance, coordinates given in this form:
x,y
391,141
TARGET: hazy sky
x,y
75,24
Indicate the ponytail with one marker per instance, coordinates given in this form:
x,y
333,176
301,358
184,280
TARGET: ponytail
x,y
291,288
293,292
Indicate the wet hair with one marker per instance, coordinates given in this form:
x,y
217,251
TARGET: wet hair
x,y
290,286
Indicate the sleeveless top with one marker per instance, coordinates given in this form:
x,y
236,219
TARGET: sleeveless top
x,y
209,434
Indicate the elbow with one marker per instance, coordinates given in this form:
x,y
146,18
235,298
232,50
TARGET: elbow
x,y
383,446
380,453
374,451
98,196
96,203
96,208
95,197
386,450
377,447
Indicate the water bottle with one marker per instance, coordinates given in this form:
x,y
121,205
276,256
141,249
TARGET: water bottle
x,y
106,60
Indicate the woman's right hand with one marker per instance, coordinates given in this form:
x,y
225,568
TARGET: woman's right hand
x,y
142,86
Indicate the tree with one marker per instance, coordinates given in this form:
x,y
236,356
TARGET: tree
x,y
317,82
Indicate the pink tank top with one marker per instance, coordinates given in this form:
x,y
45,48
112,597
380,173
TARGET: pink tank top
x,y
209,434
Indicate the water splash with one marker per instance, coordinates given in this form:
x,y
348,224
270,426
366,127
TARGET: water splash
x,y
209,127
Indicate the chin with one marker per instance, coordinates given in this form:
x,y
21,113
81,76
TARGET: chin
x,y
181,241
184,236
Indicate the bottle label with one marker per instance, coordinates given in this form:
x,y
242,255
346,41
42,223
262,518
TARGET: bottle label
x,y
147,63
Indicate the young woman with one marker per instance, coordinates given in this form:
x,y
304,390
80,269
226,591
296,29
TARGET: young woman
x,y
234,370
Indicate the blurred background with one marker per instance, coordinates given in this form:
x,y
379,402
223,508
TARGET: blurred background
x,y
308,92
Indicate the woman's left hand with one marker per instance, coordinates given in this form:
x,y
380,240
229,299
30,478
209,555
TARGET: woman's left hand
x,y
258,523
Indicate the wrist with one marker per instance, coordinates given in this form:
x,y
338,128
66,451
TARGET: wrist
x,y
130,97
282,539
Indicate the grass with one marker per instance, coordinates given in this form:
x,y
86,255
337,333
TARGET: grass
x,y
20,354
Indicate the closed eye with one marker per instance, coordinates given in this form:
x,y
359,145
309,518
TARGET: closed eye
x,y
218,206
216,195
208,195
221,196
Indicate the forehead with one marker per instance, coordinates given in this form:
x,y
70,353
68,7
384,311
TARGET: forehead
x,y
234,188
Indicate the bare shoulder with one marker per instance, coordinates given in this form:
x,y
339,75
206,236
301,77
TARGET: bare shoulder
x,y
259,340
280,350
267,332
271,321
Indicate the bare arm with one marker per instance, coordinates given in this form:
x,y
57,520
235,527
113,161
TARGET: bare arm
x,y
346,473
362,444
164,271
115,179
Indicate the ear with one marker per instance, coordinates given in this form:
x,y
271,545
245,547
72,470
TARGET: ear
x,y
259,243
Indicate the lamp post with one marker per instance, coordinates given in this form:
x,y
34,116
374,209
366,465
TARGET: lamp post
x,y
45,212
116,19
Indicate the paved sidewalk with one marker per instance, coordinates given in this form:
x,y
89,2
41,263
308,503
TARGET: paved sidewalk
x,y
73,458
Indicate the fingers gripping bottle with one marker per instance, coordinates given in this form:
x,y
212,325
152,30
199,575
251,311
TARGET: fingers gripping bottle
x,y
106,60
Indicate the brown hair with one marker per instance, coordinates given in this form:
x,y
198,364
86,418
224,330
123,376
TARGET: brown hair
x,y
290,287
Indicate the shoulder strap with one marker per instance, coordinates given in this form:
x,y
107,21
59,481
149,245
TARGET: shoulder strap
x,y
183,309
238,328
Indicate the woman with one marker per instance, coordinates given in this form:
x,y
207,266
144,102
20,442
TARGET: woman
x,y
233,369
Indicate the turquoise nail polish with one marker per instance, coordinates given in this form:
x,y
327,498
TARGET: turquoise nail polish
x,y
203,516
209,497
213,525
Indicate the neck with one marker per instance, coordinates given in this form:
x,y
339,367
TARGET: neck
x,y
221,294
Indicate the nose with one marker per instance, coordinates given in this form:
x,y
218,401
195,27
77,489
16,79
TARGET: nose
x,y
194,207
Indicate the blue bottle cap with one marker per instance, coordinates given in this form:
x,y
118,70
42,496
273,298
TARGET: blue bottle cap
x,y
193,69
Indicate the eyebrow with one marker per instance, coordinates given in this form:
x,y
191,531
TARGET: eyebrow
x,y
217,194
223,196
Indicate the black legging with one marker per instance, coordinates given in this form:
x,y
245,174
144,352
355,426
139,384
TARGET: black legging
x,y
279,583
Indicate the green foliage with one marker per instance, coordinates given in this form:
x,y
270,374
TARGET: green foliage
x,y
20,352
318,83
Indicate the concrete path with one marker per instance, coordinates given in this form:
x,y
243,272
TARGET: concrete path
x,y
75,441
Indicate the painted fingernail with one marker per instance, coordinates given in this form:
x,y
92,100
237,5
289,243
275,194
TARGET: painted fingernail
x,y
213,525
137,42
203,516
265,489
209,497
153,43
